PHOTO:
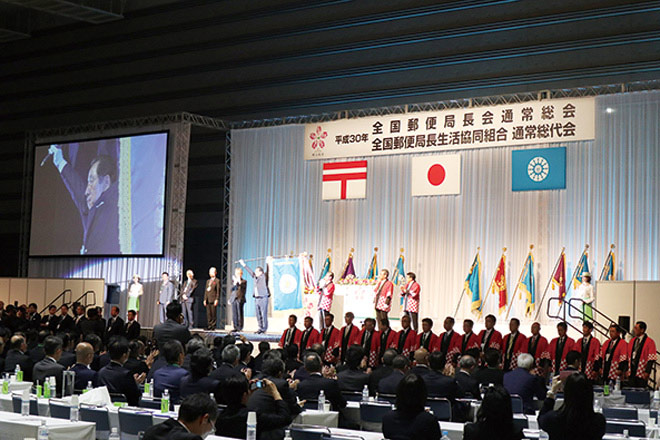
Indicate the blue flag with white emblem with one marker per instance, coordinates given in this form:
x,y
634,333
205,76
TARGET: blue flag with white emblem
x,y
286,284
538,169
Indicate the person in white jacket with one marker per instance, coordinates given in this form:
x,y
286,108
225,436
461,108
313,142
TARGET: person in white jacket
x,y
586,292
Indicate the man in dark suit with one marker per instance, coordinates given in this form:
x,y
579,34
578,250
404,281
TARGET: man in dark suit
x,y
491,373
166,295
187,298
117,378
36,353
352,378
421,367
172,327
264,347
132,327
389,384
95,194
237,298
115,325
93,324
68,357
34,318
17,356
437,384
50,321
382,371
274,371
310,388
197,416
211,298
48,366
521,382
84,373
66,322
169,377
467,384
231,355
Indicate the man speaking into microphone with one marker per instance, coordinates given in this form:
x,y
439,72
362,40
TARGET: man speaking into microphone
x,y
96,200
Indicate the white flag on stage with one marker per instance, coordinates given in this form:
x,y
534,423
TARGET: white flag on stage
x,y
344,180
436,175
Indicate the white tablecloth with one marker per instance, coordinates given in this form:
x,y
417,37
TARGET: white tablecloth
x,y
16,427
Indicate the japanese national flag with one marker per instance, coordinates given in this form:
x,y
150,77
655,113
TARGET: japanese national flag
x,y
436,175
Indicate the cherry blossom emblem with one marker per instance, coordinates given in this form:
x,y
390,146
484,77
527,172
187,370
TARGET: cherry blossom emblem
x,y
317,138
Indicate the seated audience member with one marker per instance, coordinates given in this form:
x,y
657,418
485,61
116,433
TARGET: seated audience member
x,y
383,370
133,363
49,366
68,357
522,382
575,419
117,378
573,359
410,421
467,384
84,373
491,373
389,384
437,384
197,418
264,347
95,341
198,381
301,373
230,358
292,363
93,324
421,367
17,355
273,370
36,353
352,378
494,418
169,377
309,388
245,359
195,343
172,328
232,420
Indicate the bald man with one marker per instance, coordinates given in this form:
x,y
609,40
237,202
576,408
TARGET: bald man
x,y
421,367
84,374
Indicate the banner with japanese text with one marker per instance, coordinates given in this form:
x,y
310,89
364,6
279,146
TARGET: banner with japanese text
x,y
534,122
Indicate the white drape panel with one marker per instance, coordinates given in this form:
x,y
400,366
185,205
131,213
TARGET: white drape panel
x,y
611,196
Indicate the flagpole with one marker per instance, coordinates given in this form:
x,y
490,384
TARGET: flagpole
x,y
600,278
461,299
483,304
522,273
575,272
552,274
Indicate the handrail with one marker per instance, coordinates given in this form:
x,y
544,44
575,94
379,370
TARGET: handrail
x,y
63,294
85,295
598,326
568,322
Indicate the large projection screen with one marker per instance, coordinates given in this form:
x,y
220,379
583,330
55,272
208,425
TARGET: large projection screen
x,y
100,197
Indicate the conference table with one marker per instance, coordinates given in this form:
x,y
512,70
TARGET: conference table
x,y
17,427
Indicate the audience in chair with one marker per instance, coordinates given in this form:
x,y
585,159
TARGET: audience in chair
x,y
575,419
522,382
494,418
198,381
410,421
197,417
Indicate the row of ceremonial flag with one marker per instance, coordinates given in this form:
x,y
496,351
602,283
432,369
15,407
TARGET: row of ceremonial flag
x,y
527,281
525,286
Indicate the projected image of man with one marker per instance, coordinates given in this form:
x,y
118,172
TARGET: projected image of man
x,y
96,200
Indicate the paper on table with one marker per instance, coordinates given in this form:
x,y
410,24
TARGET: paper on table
x,y
97,396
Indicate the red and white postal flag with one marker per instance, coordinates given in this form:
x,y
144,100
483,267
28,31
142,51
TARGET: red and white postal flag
x,y
344,180
436,175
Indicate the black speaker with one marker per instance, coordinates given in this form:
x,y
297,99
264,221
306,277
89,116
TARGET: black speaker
x,y
112,294
624,323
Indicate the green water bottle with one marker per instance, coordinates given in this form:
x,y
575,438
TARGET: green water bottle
x,y
46,389
39,391
165,402
5,385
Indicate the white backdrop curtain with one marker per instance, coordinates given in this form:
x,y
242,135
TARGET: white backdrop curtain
x,y
611,196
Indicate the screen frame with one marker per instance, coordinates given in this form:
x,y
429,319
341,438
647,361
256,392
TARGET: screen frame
x,y
91,138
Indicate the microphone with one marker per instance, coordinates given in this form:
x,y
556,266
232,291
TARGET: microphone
x,y
46,158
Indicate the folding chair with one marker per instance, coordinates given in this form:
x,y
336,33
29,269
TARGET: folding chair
x,y
34,406
59,410
132,423
100,417
352,396
637,397
371,415
308,432
440,407
517,404
635,429
620,413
